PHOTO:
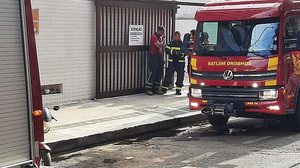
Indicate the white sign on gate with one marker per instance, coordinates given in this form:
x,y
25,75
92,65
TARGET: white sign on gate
x,y
136,35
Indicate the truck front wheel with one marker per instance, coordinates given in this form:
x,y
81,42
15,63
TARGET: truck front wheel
x,y
218,120
295,119
46,157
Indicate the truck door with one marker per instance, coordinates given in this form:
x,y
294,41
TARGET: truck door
x,y
15,116
291,57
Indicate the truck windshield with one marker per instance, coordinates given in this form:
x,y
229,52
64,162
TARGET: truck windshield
x,y
238,38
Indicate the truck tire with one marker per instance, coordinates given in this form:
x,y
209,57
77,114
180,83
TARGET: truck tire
x,y
218,121
46,158
295,119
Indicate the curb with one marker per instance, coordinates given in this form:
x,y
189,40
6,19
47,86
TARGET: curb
x,y
80,142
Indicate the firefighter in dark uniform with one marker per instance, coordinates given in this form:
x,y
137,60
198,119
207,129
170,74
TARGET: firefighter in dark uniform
x,y
176,64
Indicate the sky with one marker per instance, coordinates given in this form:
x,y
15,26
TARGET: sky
x,y
188,12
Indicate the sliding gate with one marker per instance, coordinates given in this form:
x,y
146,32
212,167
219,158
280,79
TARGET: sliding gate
x,y
122,69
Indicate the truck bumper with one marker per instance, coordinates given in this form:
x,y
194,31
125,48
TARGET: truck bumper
x,y
244,108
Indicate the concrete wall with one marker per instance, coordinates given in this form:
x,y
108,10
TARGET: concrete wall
x,y
66,47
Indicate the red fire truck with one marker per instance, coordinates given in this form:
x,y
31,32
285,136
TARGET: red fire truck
x,y
21,121
246,60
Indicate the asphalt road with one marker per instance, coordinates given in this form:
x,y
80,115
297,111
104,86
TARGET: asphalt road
x,y
244,143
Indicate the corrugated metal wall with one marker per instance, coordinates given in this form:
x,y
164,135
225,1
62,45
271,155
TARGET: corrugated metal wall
x,y
122,69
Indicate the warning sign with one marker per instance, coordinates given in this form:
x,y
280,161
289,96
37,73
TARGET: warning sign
x,y
136,35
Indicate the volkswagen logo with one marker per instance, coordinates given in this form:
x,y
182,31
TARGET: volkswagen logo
x,y
228,75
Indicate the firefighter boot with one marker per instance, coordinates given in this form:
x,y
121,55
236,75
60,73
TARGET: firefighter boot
x,y
164,90
178,92
149,92
160,91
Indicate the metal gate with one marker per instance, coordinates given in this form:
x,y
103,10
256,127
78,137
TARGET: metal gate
x,y
122,69
15,132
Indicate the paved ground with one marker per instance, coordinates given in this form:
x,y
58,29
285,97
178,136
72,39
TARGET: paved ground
x,y
107,114
115,118
244,143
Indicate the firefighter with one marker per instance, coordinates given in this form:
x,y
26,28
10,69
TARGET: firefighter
x,y
188,43
156,62
176,64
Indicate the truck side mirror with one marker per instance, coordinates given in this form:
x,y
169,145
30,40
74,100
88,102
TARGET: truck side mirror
x,y
290,44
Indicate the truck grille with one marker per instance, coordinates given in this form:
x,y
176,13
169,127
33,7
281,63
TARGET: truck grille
x,y
237,75
229,93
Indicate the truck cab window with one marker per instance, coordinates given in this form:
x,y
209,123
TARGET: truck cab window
x,y
238,38
210,33
292,34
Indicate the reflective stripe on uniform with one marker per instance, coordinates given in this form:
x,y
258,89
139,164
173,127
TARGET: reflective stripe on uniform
x,y
179,88
176,48
171,60
149,85
173,48
165,87
149,77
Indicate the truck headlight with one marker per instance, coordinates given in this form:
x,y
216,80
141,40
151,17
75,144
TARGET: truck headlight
x,y
197,93
268,94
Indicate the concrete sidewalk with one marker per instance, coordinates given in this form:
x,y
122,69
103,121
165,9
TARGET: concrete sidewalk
x,y
115,118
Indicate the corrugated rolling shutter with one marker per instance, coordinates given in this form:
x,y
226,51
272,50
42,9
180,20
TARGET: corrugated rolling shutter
x,y
15,146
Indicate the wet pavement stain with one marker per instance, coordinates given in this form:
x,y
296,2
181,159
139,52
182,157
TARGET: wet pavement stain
x,y
127,142
233,131
62,158
141,138
110,161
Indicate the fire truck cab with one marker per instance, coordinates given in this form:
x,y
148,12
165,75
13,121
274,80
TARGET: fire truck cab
x,y
246,60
